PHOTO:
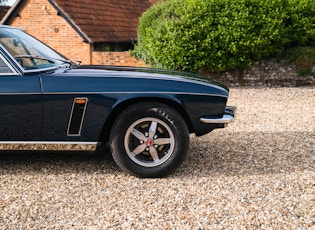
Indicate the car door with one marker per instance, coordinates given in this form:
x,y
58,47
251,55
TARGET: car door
x,y
20,105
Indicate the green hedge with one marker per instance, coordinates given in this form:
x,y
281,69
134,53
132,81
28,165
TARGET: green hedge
x,y
222,34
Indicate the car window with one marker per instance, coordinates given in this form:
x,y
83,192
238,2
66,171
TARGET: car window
x,y
30,53
25,54
5,69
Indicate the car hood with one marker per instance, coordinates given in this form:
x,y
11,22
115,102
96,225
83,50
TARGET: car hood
x,y
156,73
132,80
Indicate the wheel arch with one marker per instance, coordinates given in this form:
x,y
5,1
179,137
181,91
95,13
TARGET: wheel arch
x,y
121,105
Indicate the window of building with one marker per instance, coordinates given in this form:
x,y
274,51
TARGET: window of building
x,y
113,47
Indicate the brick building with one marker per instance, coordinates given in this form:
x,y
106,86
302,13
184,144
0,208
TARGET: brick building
x,y
95,32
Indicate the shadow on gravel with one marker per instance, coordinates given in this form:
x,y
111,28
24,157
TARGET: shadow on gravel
x,y
56,162
227,153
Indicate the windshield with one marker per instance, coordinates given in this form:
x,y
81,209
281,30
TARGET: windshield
x,y
30,53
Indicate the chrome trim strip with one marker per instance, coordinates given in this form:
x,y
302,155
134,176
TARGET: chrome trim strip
x,y
230,112
183,93
84,93
50,142
224,120
82,119
10,94
20,70
14,72
9,74
40,70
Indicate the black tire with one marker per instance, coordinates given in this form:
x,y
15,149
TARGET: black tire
x,y
145,153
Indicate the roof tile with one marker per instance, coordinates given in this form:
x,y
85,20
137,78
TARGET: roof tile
x,y
106,20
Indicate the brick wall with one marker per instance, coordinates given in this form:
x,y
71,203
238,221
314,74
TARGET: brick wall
x,y
40,19
115,58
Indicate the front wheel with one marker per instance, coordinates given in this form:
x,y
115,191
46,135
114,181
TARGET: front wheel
x,y
149,140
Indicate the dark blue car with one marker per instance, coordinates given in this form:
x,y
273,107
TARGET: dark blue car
x,y
145,115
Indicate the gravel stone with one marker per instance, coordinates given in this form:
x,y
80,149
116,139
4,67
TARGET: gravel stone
x,y
258,173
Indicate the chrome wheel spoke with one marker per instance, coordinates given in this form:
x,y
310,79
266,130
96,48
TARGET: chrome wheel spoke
x,y
138,134
152,129
162,141
139,149
143,138
154,154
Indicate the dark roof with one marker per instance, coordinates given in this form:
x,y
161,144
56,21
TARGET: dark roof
x,y
106,20
3,11
96,20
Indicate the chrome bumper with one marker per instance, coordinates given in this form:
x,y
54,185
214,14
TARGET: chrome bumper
x,y
228,117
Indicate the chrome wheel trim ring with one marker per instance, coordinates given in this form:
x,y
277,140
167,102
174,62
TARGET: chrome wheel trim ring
x,y
159,143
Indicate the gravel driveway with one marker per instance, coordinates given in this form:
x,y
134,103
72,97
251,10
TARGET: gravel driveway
x,y
259,173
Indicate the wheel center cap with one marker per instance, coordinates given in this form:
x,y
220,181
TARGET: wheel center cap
x,y
149,142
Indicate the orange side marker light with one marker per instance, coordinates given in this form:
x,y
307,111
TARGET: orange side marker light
x,y
80,101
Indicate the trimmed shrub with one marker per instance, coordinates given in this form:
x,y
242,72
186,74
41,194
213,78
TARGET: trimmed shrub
x,y
222,34
300,22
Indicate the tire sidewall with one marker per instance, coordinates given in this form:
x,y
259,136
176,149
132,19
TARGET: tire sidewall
x,y
149,110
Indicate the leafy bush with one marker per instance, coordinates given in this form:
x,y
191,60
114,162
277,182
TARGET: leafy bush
x,y
303,58
222,34
300,22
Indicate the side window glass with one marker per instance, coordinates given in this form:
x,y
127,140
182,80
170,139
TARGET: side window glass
x,y
25,54
4,68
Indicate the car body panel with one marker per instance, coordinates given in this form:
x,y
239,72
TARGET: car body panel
x,y
21,106
107,89
37,102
